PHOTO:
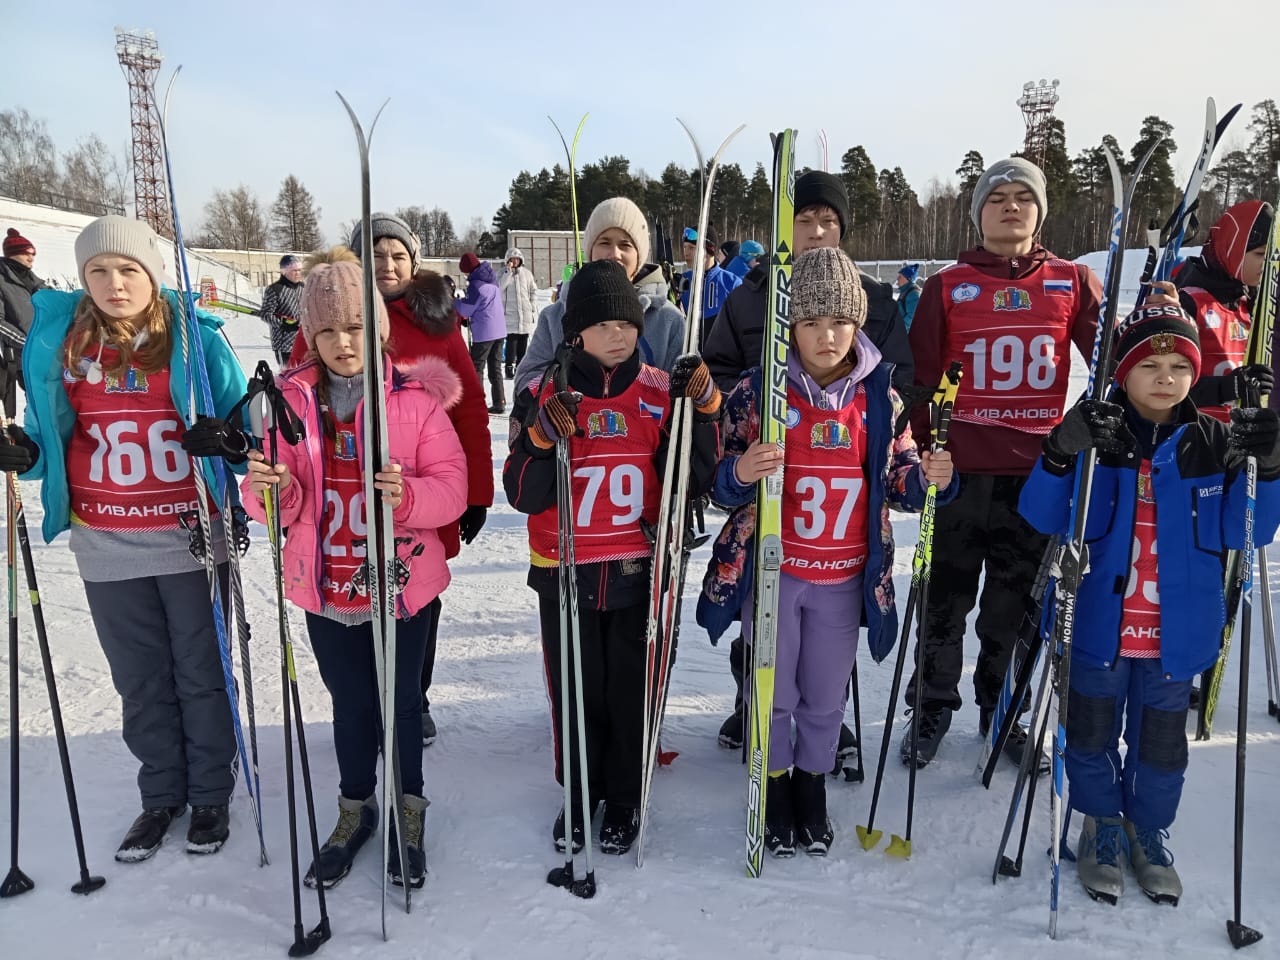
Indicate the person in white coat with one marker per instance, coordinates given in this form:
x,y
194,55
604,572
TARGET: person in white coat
x,y
518,289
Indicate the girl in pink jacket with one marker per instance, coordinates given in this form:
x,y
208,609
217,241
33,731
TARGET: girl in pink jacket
x,y
320,486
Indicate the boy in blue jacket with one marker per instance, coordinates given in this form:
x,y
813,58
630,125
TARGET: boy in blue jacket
x,y
1134,656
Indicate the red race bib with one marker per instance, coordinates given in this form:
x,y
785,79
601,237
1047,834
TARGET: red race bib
x,y
1140,614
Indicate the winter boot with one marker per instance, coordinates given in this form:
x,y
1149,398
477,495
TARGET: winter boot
x,y
1101,858
356,822
813,827
428,728
620,827
731,731
147,833
846,755
413,809
1153,864
933,722
209,828
779,816
579,827
509,371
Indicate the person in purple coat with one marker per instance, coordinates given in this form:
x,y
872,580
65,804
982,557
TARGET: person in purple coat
x,y
482,306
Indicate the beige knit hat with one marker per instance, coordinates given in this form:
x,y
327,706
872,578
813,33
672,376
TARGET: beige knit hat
x,y
125,238
621,213
825,283
333,291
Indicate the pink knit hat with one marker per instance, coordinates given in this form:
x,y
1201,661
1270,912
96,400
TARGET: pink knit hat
x,y
332,293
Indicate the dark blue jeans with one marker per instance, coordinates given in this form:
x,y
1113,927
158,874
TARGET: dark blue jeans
x,y
345,657
1135,698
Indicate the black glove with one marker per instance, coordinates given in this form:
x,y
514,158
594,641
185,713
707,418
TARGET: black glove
x,y
1256,377
20,453
214,437
691,378
1253,433
1089,424
471,522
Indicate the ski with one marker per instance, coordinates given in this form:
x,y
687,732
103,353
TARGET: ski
x,y
571,155
235,527
671,553
768,532
1072,559
1258,350
380,562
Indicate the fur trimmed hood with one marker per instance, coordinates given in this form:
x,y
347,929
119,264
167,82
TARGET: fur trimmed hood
x,y
434,376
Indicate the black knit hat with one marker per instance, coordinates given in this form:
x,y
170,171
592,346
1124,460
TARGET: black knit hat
x,y
598,293
817,187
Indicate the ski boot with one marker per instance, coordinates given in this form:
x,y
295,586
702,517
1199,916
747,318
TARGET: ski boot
x,y
847,757
730,736
209,828
620,827
579,827
933,726
357,820
428,728
414,810
1101,857
779,818
147,833
813,826
1153,864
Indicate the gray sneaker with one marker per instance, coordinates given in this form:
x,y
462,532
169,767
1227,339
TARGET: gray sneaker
x,y
1101,858
1153,864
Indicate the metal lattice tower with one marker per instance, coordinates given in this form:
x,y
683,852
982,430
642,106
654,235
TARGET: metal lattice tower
x,y
140,57
1037,103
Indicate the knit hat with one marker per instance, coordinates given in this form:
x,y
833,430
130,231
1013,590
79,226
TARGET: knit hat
x,y
910,271
1156,331
825,283
1002,172
290,260
123,237
1241,228
333,292
601,291
15,244
514,252
730,249
750,250
819,188
389,225
468,262
621,213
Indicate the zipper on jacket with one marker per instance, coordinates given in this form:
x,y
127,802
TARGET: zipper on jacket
x,y
608,379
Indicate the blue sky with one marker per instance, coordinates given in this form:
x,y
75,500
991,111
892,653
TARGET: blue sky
x,y
471,84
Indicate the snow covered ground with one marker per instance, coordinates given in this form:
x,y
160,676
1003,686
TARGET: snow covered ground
x,y
489,777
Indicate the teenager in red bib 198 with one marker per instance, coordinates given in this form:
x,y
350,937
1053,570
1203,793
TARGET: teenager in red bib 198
x,y
320,483
1169,483
616,413
1214,288
1009,310
843,469
107,408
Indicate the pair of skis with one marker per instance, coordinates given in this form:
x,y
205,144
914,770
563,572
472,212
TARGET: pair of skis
x,y
671,552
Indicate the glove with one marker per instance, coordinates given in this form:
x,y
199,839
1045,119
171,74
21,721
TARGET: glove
x,y
1253,433
1257,377
20,453
556,420
1089,424
691,378
471,521
214,437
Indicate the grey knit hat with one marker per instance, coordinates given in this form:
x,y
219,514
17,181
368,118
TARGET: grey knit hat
x,y
389,225
1013,170
125,238
825,283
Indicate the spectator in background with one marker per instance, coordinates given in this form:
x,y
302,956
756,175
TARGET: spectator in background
x,y
741,264
518,289
282,307
482,305
908,292
716,285
17,283
728,250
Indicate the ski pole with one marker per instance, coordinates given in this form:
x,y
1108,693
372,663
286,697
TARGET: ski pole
x,y
15,882
1026,780
859,774
1268,634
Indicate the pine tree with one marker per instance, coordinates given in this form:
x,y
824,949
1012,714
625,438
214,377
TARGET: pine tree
x,y
970,172
1156,192
1264,148
860,182
295,219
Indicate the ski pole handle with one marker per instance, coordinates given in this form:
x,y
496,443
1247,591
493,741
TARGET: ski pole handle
x,y
944,401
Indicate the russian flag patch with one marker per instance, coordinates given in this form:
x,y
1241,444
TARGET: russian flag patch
x,y
655,412
1059,288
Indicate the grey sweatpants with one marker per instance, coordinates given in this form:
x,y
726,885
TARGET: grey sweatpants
x,y
160,642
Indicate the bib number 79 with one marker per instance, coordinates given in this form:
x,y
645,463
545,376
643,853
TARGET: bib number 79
x,y
626,493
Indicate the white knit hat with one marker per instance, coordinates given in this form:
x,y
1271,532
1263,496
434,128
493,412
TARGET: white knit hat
x,y
125,238
621,213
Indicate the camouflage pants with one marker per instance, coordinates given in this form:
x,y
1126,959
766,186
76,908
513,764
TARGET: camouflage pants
x,y
980,529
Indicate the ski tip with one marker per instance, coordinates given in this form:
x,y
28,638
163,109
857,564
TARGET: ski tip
x,y
899,847
868,838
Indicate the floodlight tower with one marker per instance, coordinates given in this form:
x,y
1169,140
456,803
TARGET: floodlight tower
x,y
1037,103
140,57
